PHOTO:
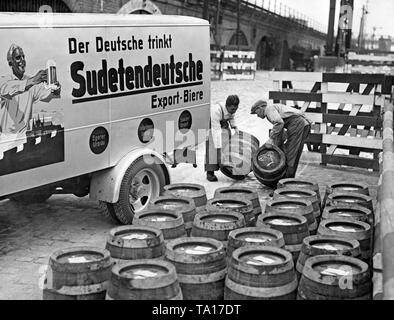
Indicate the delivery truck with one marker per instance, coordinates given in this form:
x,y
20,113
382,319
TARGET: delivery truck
x,y
100,105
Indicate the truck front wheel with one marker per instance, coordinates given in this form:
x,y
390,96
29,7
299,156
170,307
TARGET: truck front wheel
x,y
141,183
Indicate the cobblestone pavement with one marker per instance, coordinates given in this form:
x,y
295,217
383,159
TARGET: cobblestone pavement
x,y
30,234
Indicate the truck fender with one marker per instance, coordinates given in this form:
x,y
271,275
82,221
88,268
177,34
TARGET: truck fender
x,y
105,184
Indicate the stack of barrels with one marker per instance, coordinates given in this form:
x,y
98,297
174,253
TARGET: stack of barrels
x,y
184,246
237,154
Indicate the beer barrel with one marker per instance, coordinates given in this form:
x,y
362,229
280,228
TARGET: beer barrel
x,y
350,199
326,245
303,194
256,236
79,273
237,192
135,242
345,212
217,225
195,191
200,265
354,230
224,204
300,184
170,222
335,277
293,227
260,273
269,165
296,206
144,279
183,205
236,155
346,186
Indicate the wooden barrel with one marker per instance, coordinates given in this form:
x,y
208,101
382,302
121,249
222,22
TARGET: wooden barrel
x,y
170,222
236,155
260,273
217,226
256,236
135,242
300,184
335,277
350,199
354,212
201,267
183,205
237,192
296,206
303,194
80,273
354,230
144,279
231,204
293,227
326,245
346,186
269,165
189,190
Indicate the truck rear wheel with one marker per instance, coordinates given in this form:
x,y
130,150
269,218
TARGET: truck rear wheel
x,y
33,196
141,183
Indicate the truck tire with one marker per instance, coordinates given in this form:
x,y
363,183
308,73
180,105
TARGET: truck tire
x,y
33,196
141,183
108,211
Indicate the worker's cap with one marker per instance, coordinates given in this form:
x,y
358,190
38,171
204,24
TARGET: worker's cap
x,y
258,104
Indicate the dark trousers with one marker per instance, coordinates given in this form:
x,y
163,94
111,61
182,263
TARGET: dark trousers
x,y
212,154
298,129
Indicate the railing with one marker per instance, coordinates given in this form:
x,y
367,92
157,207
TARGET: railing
x,y
345,123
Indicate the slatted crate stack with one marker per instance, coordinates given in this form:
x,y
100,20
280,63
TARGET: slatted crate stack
x,y
216,67
341,135
239,65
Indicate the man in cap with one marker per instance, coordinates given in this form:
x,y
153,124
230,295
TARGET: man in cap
x,y
222,119
18,93
292,141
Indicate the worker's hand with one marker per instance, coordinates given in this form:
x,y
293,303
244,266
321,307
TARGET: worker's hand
x,y
39,77
56,92
236,130
269,142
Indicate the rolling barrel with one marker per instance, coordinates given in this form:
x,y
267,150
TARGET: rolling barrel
x,y
303,194
256,236
346,186
183,205
169,222
217,226
135,242
241,193
201,267
335,277
236,155
300,184
231,204
354,230
296,206
80,273
326,245
293,227
260,273
269,165
144,279
355,212
195,191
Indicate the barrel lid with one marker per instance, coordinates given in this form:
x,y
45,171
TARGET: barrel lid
x,y
349,197
185,189
80,257
158,215
227,203
294,192
289,203
219,218
348,212
328,243
261,256
143,271
295,182
231,191
336,269
268,159
348,186
344,226
173,202
281,220
256,236
194,248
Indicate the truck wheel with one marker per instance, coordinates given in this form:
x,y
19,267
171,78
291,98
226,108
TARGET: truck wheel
x,y
141,183
32,196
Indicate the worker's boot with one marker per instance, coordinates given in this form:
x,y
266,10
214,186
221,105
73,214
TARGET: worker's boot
x,y
211,176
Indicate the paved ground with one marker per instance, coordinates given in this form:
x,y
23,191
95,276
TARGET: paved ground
x,y
30,234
